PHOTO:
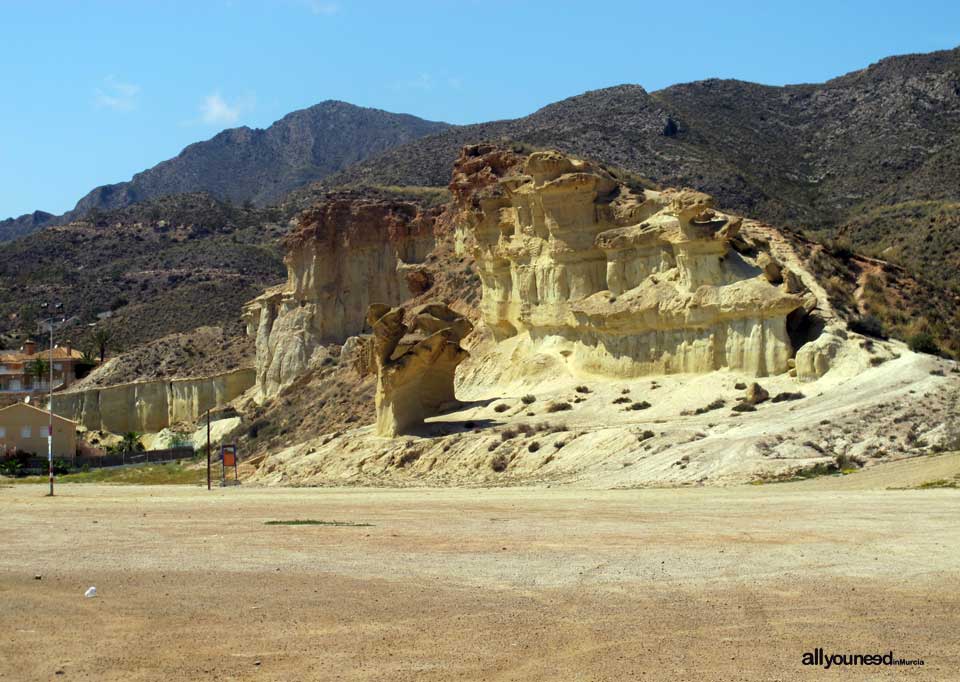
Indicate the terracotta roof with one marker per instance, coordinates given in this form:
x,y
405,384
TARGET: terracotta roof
x,y
59,353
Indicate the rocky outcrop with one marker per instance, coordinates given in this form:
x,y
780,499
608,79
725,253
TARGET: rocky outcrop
x,y
150,406
626,281
345,254
415,363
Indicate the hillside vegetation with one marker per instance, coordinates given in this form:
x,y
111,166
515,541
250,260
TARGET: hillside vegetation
x,y
159,267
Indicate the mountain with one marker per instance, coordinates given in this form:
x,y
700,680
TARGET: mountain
x,y
826,157
11,228
869,161
255,165
244,164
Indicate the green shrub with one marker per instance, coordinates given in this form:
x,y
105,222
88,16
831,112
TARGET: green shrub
x,y
868,325
923,342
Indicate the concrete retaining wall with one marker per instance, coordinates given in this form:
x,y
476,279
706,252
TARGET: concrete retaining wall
x,y
150,406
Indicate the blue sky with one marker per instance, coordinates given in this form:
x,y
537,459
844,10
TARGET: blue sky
x,y
92,92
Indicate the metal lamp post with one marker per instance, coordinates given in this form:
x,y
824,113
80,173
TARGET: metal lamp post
x,y
58,308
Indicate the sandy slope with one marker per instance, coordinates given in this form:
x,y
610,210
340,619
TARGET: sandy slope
x,y
870,413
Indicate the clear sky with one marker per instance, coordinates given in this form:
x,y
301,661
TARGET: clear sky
x,y
92,92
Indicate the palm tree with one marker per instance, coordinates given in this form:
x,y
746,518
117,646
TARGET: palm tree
x,y
86,362
131,442
38,368
102,341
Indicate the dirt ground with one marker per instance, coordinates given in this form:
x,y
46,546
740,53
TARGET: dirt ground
x,y
483,584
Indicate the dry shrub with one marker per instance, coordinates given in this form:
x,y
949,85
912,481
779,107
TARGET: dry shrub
x,y
499,462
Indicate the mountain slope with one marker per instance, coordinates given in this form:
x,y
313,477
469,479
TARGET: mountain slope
x,y
11,228
244,164
256,165
163,266
804,154
817,157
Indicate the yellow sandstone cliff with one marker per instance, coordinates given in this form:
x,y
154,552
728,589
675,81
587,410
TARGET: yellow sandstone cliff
x,y
626,282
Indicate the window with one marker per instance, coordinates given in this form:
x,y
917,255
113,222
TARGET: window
x,y
3,432
57,367
26,432
44,431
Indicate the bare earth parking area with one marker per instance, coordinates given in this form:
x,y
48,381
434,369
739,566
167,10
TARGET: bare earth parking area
x,y
489,584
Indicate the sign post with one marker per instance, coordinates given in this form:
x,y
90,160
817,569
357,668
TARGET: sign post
x,y
228,458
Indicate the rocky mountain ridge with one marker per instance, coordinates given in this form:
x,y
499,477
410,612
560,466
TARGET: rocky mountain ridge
x,y
816,157
252,165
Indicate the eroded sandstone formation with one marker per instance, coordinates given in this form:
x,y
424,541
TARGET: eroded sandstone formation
x,y
415,363
626,281
344,254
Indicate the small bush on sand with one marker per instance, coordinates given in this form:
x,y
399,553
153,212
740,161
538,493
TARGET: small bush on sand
x,y
559,407
502,407
786,395
715,405
622,399
642,405
499,462
534,446
582,389
528,399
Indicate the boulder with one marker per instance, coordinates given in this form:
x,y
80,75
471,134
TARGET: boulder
x,y
756,394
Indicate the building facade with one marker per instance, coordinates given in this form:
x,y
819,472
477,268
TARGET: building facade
x,y
24,427
18,375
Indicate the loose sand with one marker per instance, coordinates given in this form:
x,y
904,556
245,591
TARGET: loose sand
x,y
483,584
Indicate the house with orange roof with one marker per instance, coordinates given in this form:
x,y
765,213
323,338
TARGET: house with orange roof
x,y
18,369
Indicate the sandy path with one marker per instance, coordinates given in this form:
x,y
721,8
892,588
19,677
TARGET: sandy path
x,y
504,584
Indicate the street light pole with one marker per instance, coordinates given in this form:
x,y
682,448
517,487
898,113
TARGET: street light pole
x,y
208,448
49,320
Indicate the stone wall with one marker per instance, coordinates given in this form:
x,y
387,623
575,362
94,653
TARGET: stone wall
x,y
150,406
